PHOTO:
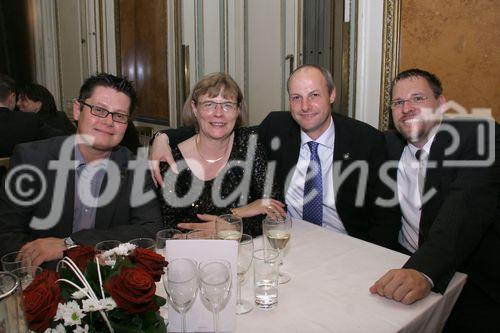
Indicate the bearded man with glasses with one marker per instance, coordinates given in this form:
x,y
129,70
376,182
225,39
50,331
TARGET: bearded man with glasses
x,y
81,186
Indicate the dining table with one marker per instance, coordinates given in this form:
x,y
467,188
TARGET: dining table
x,y
331,274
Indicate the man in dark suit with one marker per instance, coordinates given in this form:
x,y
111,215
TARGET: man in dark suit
x,y
86,191
17,127
348,153
448,191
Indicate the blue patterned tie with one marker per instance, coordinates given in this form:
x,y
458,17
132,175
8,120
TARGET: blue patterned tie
x,y
313,188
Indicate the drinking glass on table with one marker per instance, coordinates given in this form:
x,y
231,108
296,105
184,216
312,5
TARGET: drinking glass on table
x,y
26,275
145,243
181,284
228,227
245,257
278,233
102,247
10,261
163,235
266,275
215,286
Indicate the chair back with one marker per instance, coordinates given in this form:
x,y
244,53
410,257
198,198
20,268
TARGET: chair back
x,y
145,133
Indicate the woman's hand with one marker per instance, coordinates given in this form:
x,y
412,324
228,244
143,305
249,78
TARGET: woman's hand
x,y
270,207
160,152
206,229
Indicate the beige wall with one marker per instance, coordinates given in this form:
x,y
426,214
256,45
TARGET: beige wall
x,y
460,42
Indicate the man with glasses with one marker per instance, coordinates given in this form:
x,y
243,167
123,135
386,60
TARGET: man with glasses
x,y
98,166
448,190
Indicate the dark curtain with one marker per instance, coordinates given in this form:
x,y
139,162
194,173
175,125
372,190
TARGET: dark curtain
x,y
16,55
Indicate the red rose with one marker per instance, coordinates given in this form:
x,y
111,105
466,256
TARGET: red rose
x,y
133,290
81,255
150,261
40,300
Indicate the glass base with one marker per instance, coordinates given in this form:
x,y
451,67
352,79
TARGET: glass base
x,y
284,278
243,307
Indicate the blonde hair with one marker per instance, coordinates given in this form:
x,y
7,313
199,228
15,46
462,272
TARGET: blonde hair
x,y
212,85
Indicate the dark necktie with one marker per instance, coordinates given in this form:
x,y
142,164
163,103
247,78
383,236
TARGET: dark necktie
x,y
313,188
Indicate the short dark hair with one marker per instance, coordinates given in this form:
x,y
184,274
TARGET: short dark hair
x,y
38,93
431,79
111,81
7,86
325,72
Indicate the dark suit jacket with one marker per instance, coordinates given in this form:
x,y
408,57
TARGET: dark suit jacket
x,y
58,121
19,127
354,141
460,224
116,220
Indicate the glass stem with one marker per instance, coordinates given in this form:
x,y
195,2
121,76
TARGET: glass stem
x,y
280,258
183,322
239,293
216,320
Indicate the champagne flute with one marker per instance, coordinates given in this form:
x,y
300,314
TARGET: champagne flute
x,y
245,257
181,284
277,233
228,227
215,285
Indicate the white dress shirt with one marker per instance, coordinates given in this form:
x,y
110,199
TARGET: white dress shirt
x,y
295,195
409,194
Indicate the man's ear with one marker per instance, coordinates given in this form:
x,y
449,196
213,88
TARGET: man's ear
x,y
76,109
333,95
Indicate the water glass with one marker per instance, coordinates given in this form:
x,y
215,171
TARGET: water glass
x,y
26,275
145,243
228,227
106,245
10,263
266,275
163,235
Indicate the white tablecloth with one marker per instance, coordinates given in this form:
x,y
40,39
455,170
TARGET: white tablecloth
x,y
331,274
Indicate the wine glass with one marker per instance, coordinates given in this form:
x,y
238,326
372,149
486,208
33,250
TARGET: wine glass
x,y
181,285
228,227
163,235
215,285
145,243
245,257
277,233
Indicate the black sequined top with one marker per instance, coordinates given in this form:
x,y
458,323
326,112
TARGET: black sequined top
x,y
220,194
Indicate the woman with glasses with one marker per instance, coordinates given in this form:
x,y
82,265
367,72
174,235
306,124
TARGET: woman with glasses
x,y
32,97
219,165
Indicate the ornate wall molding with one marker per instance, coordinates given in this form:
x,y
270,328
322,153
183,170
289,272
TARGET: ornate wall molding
x,y
390,57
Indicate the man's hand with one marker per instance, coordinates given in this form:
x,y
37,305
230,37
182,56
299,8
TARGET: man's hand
x,y
205,229
270,207
160,152
402,285
41,250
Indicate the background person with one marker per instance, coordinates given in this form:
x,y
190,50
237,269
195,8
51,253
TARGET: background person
x,y
32,97
216,108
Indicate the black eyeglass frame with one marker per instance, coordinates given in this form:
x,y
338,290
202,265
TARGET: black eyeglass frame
x,y
114,115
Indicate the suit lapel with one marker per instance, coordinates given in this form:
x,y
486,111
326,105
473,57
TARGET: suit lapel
x,y
290,152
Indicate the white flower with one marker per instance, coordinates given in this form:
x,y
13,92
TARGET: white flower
x,y
59,329
80,329
124,249
70,312
90,305
107,304
78,294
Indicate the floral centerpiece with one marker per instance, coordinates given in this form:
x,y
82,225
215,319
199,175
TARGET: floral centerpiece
x,y
114,291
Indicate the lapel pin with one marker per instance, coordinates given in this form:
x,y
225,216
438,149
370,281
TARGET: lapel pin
x,y
346,156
